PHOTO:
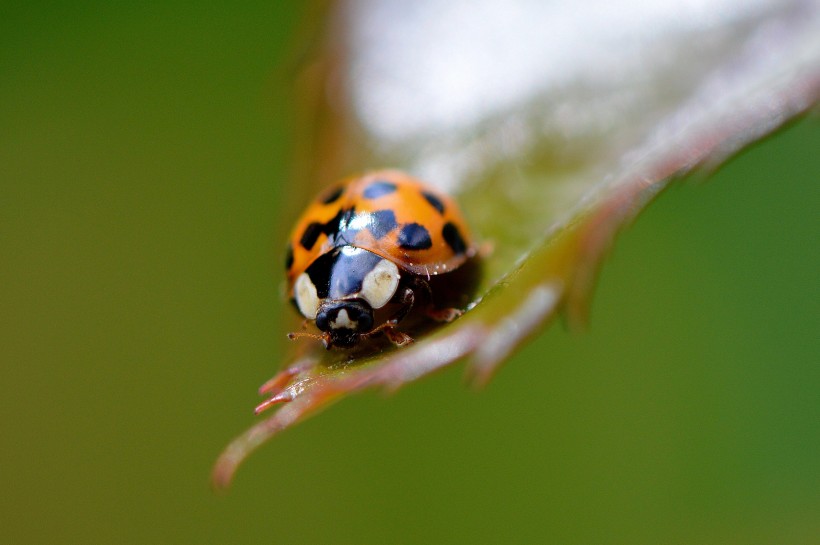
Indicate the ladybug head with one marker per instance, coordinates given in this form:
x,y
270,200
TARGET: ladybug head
x,y
344,321
340,291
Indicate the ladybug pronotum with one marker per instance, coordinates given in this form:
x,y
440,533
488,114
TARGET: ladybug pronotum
x,y
376,250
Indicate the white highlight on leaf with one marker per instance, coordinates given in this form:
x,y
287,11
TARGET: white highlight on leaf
x,y
428,64
458,86
380,284
306,298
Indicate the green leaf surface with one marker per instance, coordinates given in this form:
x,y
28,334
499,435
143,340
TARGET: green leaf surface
x,y
552,125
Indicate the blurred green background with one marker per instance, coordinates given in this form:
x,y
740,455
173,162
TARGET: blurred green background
x,y
144,154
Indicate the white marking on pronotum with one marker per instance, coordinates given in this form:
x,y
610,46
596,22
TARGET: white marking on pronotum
x,y
379,285
306,298
343,321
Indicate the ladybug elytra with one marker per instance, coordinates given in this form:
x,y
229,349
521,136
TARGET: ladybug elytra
x,y
373,251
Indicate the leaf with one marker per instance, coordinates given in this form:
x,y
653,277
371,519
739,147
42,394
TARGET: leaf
x,y
553,126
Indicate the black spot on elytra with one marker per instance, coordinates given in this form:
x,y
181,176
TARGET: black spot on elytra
x,y
289,257
340,222
332,195
378,189
434,201
452,236
382,222
338,228
414,237
310,235
333,228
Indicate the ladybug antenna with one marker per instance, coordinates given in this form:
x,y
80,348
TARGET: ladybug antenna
x,y
298,334
324,337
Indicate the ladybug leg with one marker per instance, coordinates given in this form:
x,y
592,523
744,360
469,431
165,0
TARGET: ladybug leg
x,y
408,299
395,336
444,315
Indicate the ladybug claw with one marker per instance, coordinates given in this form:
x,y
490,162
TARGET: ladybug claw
x,y
445,315
397,337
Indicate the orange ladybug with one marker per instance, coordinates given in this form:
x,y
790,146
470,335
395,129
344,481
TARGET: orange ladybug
x,y
374,250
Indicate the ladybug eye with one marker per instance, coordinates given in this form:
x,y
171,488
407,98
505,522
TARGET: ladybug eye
x,y
306,298
380,284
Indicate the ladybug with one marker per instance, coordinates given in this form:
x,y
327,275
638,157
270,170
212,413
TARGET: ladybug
x,y
374,250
